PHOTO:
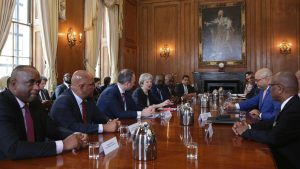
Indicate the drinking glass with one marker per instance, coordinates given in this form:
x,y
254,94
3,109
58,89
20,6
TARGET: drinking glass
x,y
94,150
242,116
124,131
192,150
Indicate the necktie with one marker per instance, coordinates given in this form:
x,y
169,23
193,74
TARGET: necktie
x,y
124,101
160,95
83,106
264,94
185,89
29,124
43,95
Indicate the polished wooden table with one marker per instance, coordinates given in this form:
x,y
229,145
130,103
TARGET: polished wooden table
x,y
222,150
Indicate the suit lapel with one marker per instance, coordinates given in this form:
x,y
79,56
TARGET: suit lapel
x,y
77,109
262,98
291,101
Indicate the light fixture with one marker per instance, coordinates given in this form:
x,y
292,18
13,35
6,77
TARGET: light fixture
x,y
71,36
165,51
285,47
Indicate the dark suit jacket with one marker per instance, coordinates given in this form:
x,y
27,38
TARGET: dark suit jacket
x,y
179,90
66,112
13,138
267,106
111,103
162,96
46,94
254,91
170,91
140,98
59,90
283,136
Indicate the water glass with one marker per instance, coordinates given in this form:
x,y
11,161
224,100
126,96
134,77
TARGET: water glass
x,y
192,150
242,116
124,131
94,150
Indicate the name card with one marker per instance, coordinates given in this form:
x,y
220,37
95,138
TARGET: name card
x,y
109,146
132,128
204,116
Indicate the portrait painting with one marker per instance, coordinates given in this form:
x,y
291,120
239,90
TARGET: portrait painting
x,y
62,10
222,34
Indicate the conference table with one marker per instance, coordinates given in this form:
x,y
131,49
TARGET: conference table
x,y
222,150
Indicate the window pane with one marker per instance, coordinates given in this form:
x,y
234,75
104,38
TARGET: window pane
x,y
21,40
5,70
22,61
21,11
6,60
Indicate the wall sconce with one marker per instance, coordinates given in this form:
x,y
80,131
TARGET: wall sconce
x,y
165,51
71,36
285,47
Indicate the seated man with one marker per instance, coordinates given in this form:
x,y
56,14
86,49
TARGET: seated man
x,y
184,89
44,94
62,87
116,100
170,86
158,90
251,88
24,124
76,109
282,135
298,78
267,107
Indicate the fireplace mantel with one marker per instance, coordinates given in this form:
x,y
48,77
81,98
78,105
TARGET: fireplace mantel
x,y
207,81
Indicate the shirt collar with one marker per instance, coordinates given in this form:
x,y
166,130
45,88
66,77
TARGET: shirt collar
x,y
21,103
67,84
120,89
78,99
284,103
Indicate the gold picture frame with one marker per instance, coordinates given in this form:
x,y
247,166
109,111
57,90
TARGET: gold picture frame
x,y
222,34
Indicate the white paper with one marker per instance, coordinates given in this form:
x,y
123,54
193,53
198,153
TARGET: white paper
x,y
109,145
210,130
204,116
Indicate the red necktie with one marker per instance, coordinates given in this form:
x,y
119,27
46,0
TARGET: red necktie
x,y
124,100
29,124
84,119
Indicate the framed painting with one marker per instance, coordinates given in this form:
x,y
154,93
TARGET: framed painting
x,y
62,10
222,34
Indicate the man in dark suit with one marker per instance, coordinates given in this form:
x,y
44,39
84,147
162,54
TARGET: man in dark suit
x,y
251,88
62,87
76,109
267,107
44,94
158,89
24,125
184,89
170,86
283,134
116,100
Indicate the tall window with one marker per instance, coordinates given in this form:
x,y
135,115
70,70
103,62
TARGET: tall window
x,y
17,49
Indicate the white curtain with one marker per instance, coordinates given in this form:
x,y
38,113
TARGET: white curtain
x,y
93,18
114,32
6,12
48,17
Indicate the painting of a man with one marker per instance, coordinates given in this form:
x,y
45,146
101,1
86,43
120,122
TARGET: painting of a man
x,y
221,34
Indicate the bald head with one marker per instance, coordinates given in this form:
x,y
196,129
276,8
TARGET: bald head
x,y
82,83
288,80
298,78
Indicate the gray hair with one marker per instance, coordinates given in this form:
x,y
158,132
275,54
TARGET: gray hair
x,y
125,75
264,72
144,77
